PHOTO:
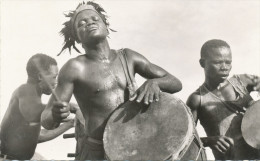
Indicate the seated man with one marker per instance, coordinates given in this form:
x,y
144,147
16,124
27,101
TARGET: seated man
x,y
102,79
21,127
220,103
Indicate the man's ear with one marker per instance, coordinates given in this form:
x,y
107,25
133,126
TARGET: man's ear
x,y
202,63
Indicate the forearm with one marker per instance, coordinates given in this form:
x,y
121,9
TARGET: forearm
x,y
168,83
46,135
47,120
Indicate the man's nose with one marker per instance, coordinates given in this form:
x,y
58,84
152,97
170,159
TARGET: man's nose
x,y
89,21
224,66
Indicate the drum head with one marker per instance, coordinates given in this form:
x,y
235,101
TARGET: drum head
x,y
251,125
141,132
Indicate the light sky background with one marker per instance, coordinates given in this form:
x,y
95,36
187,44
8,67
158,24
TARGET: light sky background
x,y
169,33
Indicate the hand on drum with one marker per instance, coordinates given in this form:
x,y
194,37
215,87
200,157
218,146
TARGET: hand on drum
x,y
148,92
220,143
60,111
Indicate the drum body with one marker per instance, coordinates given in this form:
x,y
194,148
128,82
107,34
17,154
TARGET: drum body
x,y
161,131
250,126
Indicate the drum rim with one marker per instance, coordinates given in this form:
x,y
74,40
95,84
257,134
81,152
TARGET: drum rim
x,y
188,138
244,123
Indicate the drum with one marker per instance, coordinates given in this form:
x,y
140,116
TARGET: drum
x,y
162,130
250,126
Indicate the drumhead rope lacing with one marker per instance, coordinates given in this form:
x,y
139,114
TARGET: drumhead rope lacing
x,y
186,142
198,141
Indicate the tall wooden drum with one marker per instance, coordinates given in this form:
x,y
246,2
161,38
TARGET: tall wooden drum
x,y
162,130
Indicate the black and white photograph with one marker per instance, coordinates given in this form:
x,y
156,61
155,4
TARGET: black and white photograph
x,y
129,80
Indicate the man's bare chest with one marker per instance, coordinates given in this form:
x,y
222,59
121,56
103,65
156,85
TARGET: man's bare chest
x,y
100,77
226,92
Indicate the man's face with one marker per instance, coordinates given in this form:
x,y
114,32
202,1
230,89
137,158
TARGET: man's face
x,y
49,80
89,27
218,64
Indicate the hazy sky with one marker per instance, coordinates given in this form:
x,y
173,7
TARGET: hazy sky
x,y
168,33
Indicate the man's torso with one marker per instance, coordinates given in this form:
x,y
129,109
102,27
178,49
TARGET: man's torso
x,y
19,136
221,113
100,88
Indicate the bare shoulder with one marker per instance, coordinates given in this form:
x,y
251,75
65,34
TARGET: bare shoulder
x,y
134,56
194,100
26,90
74,64
71,68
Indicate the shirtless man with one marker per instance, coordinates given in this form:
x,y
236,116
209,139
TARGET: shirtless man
x,y
102,79
220,103
21,128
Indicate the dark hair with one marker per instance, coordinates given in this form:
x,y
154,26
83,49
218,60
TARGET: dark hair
x,y
68,32
43,62
210,44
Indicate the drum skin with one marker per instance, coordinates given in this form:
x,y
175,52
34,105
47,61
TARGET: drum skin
x,y
250,126
159,131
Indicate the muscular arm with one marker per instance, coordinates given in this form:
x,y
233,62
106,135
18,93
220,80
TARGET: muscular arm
x,y
46,135
194,103
166,81
64,91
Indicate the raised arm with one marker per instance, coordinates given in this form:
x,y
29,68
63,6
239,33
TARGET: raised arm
x,y
157,78
57,110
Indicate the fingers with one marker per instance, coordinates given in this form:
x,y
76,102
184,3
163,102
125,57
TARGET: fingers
x,y
218,149
133,97
148,96
151,97
156,95
229,140
148,92
60,110
222,146
140,96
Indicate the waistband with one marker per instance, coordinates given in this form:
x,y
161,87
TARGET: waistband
x,y
92,140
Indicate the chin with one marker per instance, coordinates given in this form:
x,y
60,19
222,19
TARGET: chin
x,y
94,38
222,79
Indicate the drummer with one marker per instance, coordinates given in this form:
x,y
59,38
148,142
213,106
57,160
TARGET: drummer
x,y
21,128
220,102
102,79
